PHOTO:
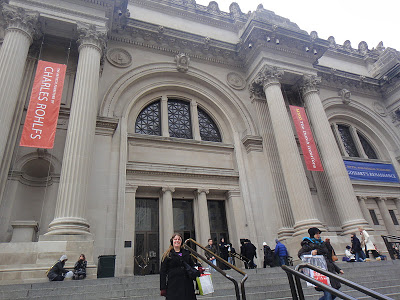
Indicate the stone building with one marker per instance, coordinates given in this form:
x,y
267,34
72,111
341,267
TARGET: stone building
x,y
175,118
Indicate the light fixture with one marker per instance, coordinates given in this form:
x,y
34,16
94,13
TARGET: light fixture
x,y
307,49
268,39
277,41
315,52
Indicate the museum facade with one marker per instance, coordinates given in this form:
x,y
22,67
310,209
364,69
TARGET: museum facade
x,y
175,117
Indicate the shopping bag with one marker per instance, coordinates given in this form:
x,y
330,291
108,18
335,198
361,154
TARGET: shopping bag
x,y
318,261
205,284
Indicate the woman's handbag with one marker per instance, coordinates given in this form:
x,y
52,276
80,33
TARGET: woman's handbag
x,y
334,257
191,272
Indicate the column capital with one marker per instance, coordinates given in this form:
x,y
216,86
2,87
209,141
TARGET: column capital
x,y
267,76
310,84
168,188
18,18
362,198
202,190
92,36
383,199
130,188
233,193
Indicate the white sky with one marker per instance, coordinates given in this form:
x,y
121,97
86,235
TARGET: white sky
x,y
355,20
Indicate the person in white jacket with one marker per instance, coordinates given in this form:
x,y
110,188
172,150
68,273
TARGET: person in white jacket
x,y
367,242
349,257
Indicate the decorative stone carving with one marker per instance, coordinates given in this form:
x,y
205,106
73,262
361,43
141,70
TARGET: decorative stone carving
x,y
345,95
235,81
182,62
119,57
363,48
213,7
19,18
332,43
235,10
89,34
313,36
380,109
310,83
253,143
347,45
395,115
267,76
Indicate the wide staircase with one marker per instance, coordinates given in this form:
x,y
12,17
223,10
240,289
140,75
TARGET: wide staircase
x,y
269,283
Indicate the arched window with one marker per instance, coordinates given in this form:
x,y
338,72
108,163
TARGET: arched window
x,y
180,121
352,142
149,120
208,129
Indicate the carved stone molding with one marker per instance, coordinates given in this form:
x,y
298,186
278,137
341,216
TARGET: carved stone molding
x,y
106,126
168,189
235,81
310,84
202,190
182,62
119,57
380,109
345,95
17,18
268,75
253,143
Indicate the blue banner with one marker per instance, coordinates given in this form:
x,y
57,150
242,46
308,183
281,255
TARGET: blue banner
x,y
371,171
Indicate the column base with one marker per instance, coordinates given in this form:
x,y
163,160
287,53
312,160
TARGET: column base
x,y
74,226
301,227
352,226
285,233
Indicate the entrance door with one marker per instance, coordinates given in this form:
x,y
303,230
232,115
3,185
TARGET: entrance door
x,y
184,218
218,224
147,237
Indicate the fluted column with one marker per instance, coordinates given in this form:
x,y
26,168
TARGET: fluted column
x,y
345,199
397,202
204,223
21,25
304,213
164,116
78,151
167,214
387,219
365,210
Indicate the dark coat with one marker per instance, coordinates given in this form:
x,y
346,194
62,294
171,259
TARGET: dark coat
x,y
331,251
307,245
173,277
80,267
249,250
268,255
355,244
56,270
223,250
213,249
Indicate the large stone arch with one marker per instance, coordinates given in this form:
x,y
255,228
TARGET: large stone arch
x,y
136,83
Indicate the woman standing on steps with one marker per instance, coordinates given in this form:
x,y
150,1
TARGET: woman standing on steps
x,y
174,281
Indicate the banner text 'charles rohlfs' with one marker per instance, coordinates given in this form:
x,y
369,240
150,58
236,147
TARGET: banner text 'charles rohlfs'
x,y
44,105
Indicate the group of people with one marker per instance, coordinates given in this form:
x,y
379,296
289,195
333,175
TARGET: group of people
x,y
58,273
224,250
280,254
359,251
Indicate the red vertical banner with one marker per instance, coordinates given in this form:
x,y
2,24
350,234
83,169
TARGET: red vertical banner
x,y
306,139
44,105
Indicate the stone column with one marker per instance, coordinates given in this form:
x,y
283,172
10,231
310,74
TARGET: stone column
x,y
164,116
71,201
387,219
128,230
301,201
167,215
338,179
397,202
365,211
195,120
20,29
204,221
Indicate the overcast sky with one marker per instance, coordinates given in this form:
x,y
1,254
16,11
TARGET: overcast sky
x,y
355,20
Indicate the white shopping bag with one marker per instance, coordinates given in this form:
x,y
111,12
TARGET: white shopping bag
x,y
318,261
205,284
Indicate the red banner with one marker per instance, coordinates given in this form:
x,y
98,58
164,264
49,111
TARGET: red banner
x,y
307,143
44,105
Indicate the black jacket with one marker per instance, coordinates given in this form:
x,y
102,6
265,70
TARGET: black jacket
x,y
355,244
249,250
80,267
57,269
173,277
213,249
307,246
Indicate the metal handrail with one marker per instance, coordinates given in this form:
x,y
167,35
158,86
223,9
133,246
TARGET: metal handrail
x,y
235,283
297,274
389,245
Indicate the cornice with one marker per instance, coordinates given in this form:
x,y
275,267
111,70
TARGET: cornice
x,y
106,126
190,10
355,83
174,41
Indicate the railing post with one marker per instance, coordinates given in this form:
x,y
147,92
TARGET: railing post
x,y
292,286
299,288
